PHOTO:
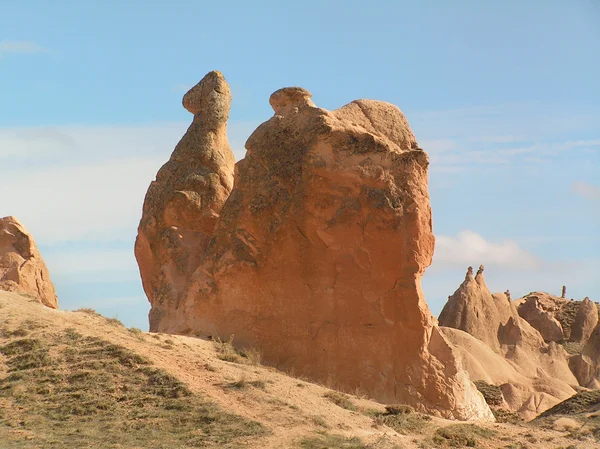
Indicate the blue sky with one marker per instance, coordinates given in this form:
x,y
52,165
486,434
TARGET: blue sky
x,y
504,96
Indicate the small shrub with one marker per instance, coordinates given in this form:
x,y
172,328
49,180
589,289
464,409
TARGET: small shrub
x,y
328,441
242,384
460,435
403,419
341,400
115,322
319,421
491,393
88,311
506,416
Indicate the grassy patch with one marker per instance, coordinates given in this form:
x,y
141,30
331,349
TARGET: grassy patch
x,y
227,353
66,390
88,311
505,416
403,419
462,435
329,441
243,384
341,400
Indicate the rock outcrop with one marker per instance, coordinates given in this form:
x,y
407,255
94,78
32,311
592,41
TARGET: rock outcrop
x,y
22,268
496,345
539,311
317,257
585,321
182,205
586,365
473,309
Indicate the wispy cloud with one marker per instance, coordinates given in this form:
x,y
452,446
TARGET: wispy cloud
x,y
86,182
470,248
586,190
8,46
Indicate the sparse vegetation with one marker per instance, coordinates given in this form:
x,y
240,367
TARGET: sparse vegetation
x,y
580,403
505,416
341,400
403,419
461,435
88,311
329,441
242,384
227,353
491,393
115,321
73,391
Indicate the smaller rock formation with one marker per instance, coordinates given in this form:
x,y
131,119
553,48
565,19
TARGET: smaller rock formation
x,y
539,311
586,365
585,321
182,206
22,269
564,292
473,309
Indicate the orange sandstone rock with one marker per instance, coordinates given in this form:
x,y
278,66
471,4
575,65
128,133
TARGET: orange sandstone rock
x,y
318,255
22,269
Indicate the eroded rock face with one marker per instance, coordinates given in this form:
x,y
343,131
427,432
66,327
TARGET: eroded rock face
x,y
22,269
182,205
318,254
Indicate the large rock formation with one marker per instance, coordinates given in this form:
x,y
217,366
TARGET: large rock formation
x,y
22,269
182,205
318,254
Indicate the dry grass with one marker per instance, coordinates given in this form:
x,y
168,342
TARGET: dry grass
x,y
341,400
328,441
462,435
228,353
403,419
72,391
491,393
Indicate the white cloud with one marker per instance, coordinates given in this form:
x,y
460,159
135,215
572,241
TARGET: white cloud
x,y
470,248
586,190
82,261
7,46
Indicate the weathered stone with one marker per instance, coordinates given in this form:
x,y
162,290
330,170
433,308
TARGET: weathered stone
x,y
22,269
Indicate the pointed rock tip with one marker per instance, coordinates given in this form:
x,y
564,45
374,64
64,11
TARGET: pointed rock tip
x,y
202,96
10,219
289,98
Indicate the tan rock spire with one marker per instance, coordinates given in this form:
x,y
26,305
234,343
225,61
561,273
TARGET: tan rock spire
x,y
183,204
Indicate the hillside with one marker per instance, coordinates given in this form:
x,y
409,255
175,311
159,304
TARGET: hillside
x,y
77,379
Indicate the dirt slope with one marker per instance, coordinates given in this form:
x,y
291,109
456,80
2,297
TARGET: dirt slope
x,y
77,379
